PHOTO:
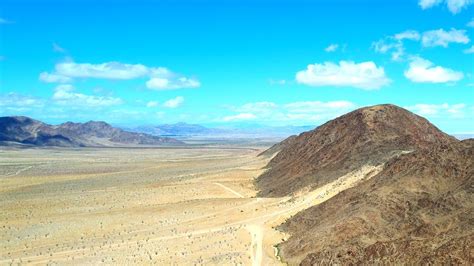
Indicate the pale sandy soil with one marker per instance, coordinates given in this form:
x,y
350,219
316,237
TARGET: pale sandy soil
x,y
144,206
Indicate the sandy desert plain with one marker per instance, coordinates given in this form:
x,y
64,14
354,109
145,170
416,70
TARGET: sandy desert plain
x,y
164,206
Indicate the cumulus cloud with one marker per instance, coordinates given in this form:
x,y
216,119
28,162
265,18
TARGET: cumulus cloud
x,y
425,4
390,44
455,6
65,95
109,70
365,75
160,78
152,104
423,71
53,78
407,35
433,110
444,38
395,44
239,117
331,48
162,83
174,103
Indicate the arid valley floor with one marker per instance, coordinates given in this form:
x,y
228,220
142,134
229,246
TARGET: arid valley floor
x,y
159,206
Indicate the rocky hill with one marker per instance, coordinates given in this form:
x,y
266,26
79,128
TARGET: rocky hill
x,y
417,210
370,135
24,130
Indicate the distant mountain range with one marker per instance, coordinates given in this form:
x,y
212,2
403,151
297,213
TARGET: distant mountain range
x,y
26,131
178,129
184,130
416,210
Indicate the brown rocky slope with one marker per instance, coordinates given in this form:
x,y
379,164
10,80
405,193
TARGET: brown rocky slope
x,y
370,135
417,210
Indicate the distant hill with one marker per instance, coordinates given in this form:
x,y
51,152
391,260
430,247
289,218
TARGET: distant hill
x,y
24,130
180,130
417,210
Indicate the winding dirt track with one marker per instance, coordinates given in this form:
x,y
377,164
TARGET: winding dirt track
x,y
195,206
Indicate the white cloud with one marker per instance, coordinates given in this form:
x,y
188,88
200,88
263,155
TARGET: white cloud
x,y
58,48
425,4
455,6
331,48
109,70
443,38
173,103
433,110
423,71
239,117
152,104
160,78
382,46
161,83
395,44
65,95
469,50
54,78
408,35
365,75
390,44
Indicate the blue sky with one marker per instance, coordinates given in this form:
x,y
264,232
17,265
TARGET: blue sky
x,y
217,62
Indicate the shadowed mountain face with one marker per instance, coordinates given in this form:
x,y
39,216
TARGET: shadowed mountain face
x,y
370,135
29,131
